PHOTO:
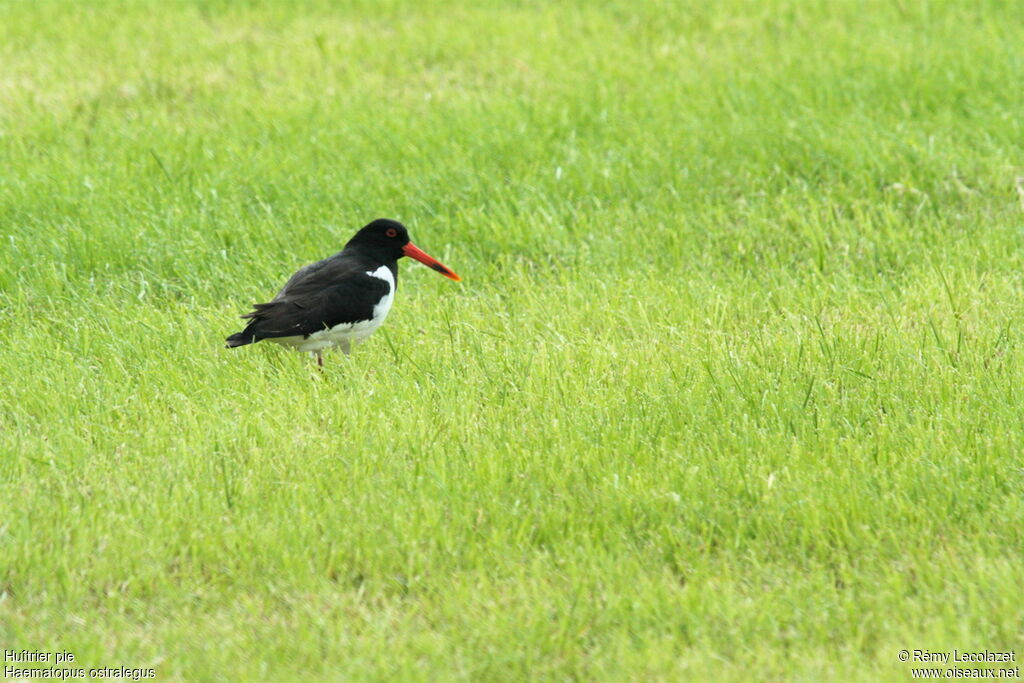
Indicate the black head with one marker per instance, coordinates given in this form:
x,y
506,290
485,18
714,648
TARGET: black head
x,y
383,236
387,240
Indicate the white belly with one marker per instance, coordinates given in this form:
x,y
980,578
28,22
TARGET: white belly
x,y
345,333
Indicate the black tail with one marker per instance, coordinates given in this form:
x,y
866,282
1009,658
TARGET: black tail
x,y
240,339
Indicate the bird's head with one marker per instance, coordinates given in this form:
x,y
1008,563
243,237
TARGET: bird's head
x,y
387,237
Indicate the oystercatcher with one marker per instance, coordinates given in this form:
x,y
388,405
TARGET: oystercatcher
x,y
341,299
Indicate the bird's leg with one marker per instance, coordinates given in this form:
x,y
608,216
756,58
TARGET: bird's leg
x,y
319,358
346,346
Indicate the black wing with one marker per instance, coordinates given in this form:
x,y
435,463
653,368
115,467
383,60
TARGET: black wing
x,y
317,297
318,276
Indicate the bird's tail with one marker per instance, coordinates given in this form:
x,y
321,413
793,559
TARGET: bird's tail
x,y
240,339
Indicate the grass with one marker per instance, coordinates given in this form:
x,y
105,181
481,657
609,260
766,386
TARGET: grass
x,y
731,388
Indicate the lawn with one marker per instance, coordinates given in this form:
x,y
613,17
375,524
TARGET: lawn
x,y
731,388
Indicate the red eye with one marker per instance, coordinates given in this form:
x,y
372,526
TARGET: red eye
x,y
391,232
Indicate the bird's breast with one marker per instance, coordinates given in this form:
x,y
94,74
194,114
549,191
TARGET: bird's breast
x,y
381,308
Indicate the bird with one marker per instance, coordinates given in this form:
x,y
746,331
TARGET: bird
x,y
342,299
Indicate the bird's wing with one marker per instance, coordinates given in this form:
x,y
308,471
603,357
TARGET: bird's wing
x,y
320,275
315,302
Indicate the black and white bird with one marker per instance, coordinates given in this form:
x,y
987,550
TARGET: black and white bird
x,y
341,299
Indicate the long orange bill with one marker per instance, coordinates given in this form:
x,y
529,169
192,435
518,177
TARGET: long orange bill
x,y
412,251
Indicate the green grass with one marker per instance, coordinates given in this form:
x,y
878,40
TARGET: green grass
x,y
731,388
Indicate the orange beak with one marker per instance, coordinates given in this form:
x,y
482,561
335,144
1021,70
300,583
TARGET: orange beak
x,y
412,251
